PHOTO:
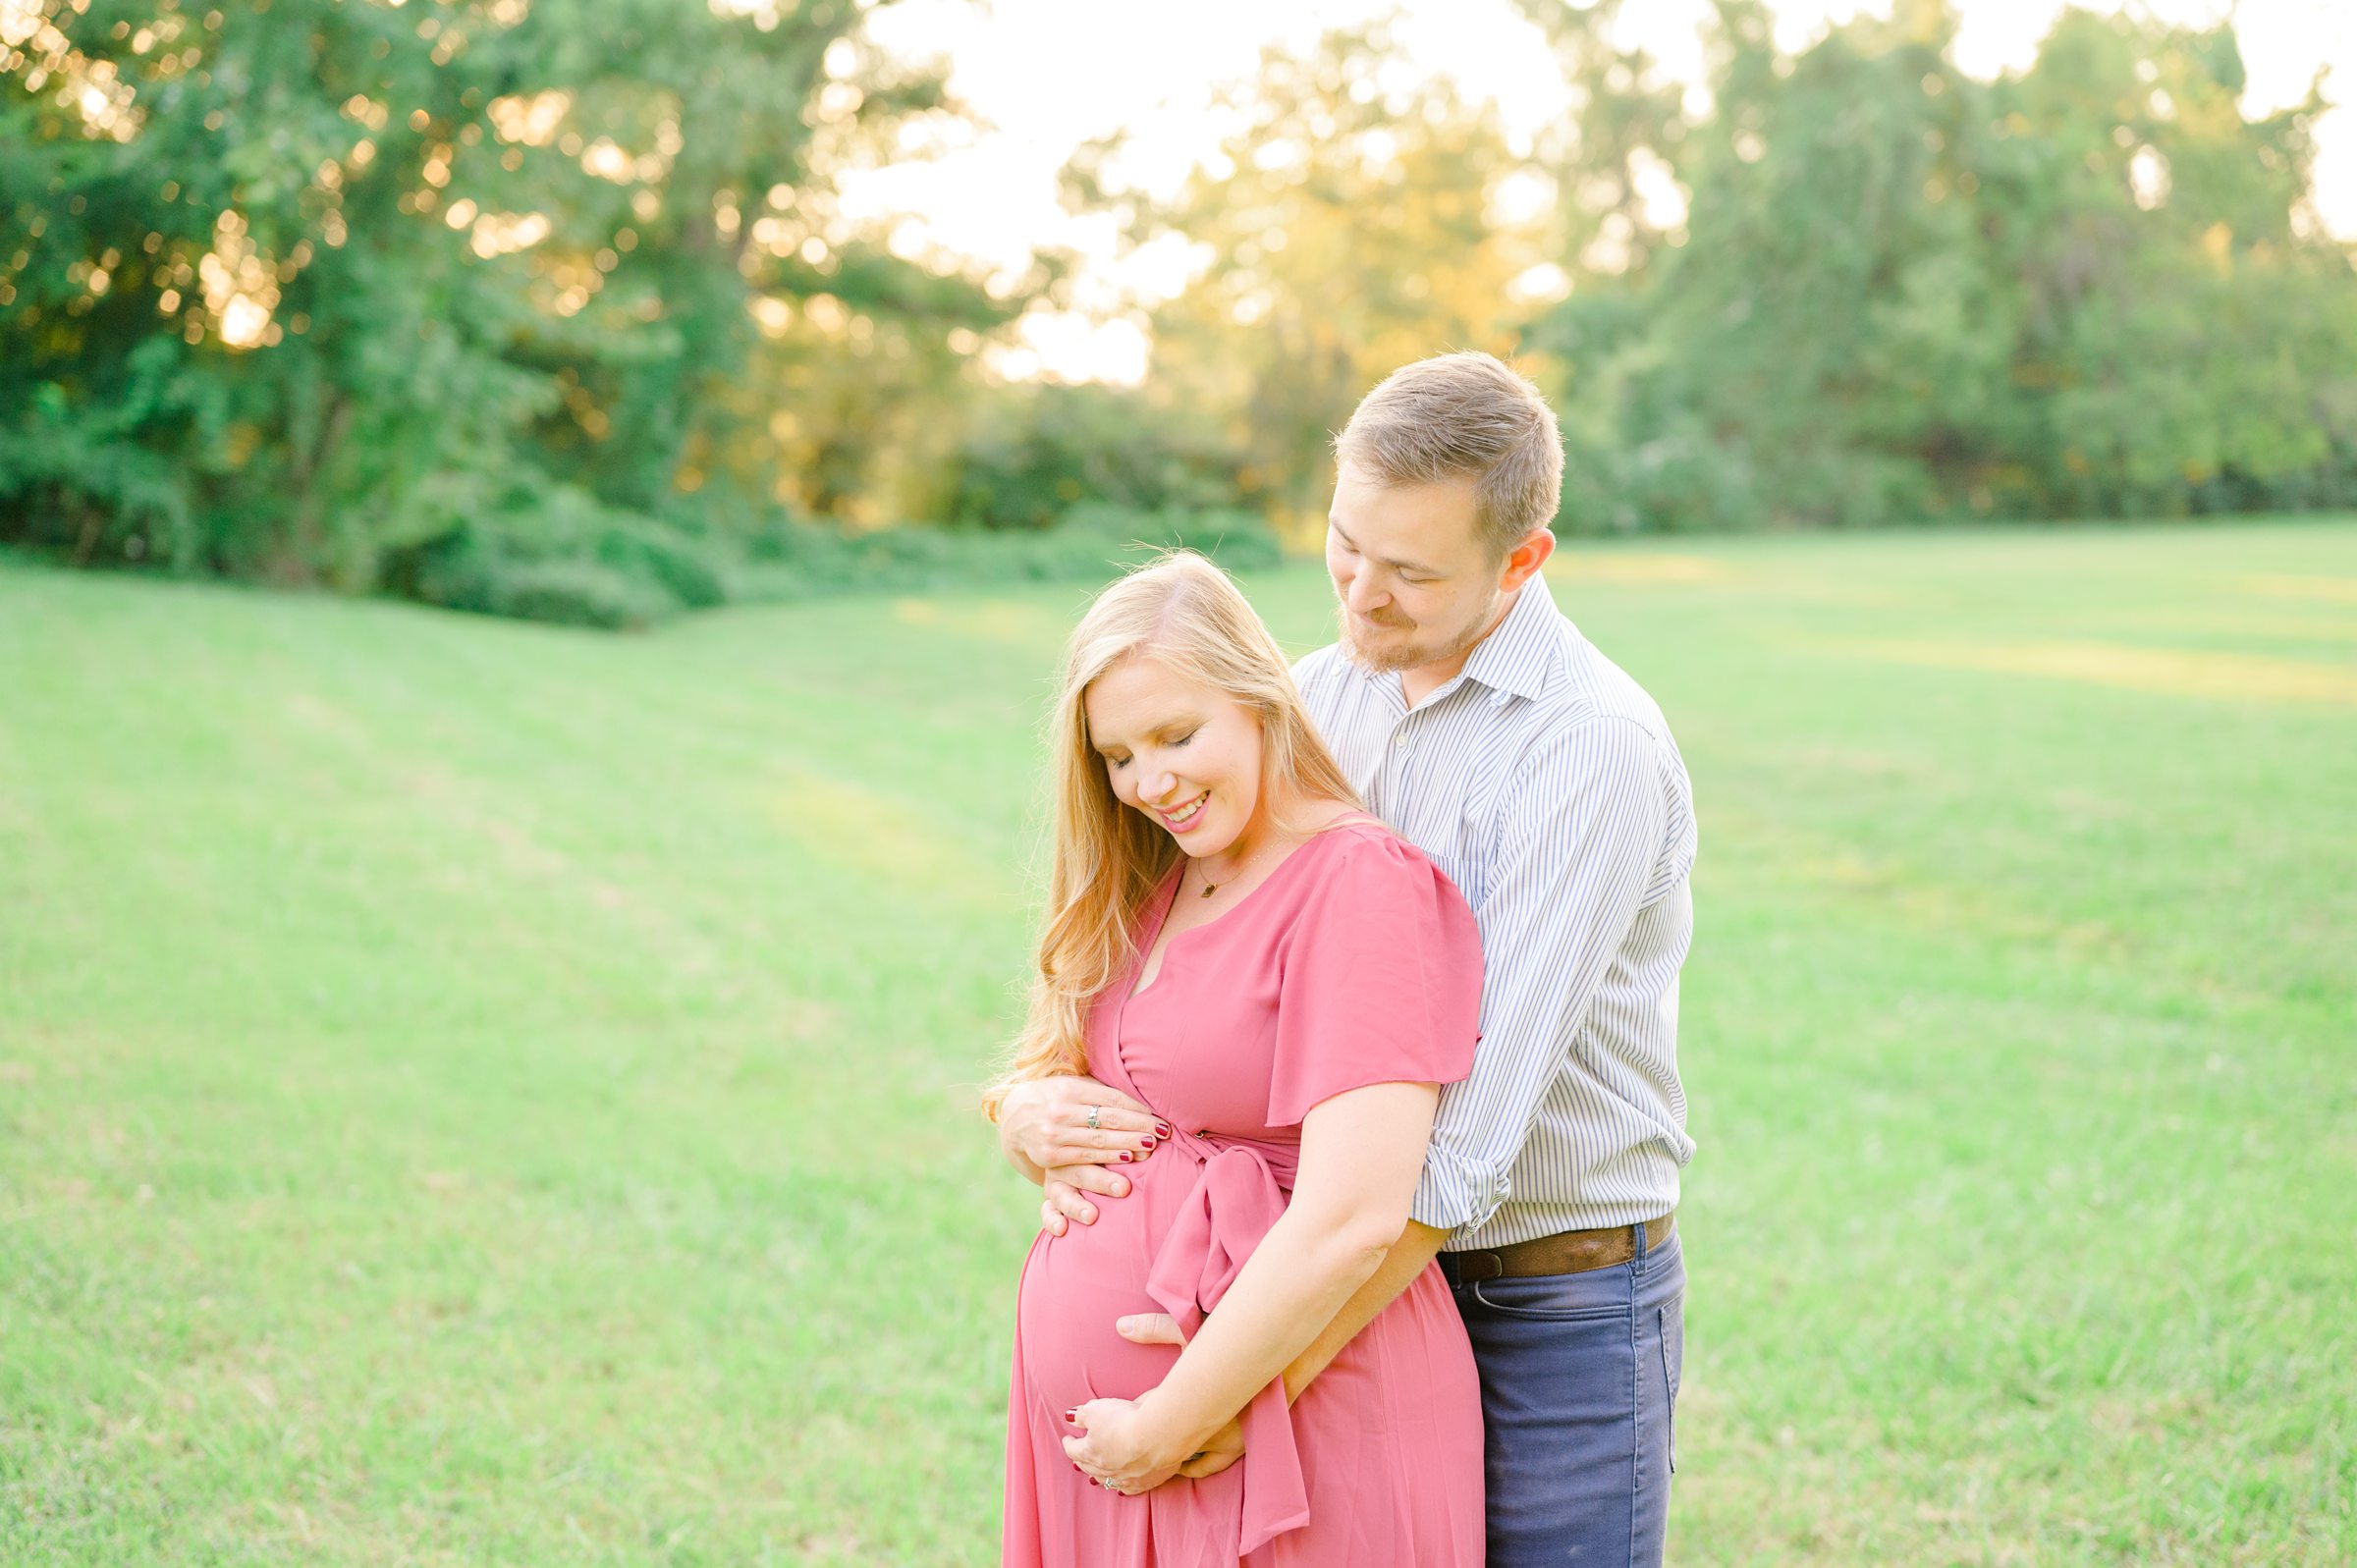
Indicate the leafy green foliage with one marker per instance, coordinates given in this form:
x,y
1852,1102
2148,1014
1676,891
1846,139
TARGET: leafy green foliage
x,y
1351,227
359,292
1035,452
550,308
1901,293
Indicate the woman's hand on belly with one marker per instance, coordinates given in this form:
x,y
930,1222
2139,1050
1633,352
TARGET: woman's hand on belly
x,y
1124,1442
1224,1446
1047,1121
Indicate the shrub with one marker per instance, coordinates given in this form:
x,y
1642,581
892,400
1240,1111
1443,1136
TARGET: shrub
x,y
560,555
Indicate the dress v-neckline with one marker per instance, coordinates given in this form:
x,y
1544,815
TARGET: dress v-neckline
x,y
1135,983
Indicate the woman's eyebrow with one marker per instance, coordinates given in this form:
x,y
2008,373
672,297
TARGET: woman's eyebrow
x,y
1166,726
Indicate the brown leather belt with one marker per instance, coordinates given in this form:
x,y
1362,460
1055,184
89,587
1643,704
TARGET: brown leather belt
x,y
1568,1252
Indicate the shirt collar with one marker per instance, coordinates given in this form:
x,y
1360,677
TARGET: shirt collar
x,y
1513,661
1518,655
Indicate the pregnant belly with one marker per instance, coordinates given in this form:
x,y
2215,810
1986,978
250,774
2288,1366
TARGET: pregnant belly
x,y
1076,1284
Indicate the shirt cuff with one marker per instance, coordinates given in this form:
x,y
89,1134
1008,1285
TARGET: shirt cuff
x,y
1454,1194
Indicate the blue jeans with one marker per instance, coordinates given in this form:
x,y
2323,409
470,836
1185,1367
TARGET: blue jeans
x,y
1578,1387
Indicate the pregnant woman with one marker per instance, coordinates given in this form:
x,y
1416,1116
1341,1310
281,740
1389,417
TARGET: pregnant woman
x,y
1233,944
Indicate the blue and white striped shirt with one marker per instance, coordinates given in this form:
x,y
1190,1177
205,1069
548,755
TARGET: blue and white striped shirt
x,y
1544,780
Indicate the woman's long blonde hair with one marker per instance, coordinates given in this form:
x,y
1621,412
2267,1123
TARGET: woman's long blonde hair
x,y
1106,860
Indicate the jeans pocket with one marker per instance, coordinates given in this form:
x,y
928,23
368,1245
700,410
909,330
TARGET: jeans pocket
x,y
1597,1295
1671,1322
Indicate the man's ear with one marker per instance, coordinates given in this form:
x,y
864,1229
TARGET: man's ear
x,y
1523,562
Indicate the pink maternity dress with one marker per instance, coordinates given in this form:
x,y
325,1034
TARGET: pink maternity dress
x,y
1355,961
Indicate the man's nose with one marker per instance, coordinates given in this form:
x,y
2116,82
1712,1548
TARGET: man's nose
x,y
1361,595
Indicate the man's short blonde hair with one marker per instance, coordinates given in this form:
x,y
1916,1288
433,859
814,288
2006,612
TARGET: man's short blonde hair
x,y
1464,416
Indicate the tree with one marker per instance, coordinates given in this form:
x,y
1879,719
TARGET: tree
x,y
1350,226
1905,293
307,286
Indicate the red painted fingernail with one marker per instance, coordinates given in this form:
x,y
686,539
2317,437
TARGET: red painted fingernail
x,y
1145,1142
1074,1416
1162,1130
1126,1157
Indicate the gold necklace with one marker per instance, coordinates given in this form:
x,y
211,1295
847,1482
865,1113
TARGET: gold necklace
x,y
1210,886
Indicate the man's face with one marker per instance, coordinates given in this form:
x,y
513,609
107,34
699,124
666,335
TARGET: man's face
x,y
1416,583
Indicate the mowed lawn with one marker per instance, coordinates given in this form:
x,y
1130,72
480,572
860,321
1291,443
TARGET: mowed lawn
x,y
478,1092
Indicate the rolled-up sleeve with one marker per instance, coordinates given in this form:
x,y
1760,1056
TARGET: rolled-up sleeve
x,y
1577,839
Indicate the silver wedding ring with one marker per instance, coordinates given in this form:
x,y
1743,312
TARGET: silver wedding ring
x,y
1106,1481
1092,1118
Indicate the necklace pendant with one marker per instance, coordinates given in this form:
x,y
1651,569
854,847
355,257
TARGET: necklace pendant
x,y
1210,888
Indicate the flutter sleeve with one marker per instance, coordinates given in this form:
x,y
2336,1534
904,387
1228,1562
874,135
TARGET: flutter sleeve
x,y
1381,979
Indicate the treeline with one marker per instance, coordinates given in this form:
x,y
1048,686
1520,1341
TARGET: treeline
x,y
1901,293
542,308
547,307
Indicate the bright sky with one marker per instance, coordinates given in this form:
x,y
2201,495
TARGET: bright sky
x,y
1048,74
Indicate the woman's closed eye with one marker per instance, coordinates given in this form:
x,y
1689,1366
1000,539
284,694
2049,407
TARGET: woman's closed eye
x,y
1122,762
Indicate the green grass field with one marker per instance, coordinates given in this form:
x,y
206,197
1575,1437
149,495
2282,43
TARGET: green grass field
x,y
476,1093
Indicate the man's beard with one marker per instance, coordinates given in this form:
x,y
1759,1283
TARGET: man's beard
x,y
1410,655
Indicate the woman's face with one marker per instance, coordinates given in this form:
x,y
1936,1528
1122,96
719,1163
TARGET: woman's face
x,y
1185,755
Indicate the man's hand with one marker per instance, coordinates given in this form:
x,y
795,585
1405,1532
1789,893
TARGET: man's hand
x,y
1224,1446
1045,1122
1064,1201
1220,1450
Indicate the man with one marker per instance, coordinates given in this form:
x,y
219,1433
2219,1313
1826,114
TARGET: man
x,y
1478,722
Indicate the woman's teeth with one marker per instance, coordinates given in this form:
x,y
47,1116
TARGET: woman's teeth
x,y
1194,808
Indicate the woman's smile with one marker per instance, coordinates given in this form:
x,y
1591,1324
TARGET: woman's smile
x,y
1187,817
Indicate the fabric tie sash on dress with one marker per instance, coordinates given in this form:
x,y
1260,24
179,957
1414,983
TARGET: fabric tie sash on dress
x,y
1236,1197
